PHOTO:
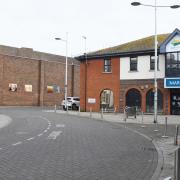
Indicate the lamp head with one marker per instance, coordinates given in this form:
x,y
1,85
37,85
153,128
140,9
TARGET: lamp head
x,y
175,6
57,38
135,3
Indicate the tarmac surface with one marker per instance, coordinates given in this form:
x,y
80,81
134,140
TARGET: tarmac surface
x,y
51,145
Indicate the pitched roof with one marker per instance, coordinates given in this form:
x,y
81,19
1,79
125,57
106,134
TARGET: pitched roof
x,y
143,44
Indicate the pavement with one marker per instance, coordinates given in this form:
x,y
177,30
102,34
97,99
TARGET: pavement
x,y
144,125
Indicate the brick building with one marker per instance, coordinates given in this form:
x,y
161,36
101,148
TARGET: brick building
x,y
123,75
34,78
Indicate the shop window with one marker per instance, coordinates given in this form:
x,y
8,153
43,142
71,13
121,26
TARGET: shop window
x,y
133,64
107,65
173,64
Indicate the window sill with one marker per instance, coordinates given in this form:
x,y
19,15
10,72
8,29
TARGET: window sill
x,y
153,70
133,71
107,72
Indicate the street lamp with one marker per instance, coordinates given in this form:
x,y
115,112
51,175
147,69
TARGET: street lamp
x,y
85,54
156,43
65,83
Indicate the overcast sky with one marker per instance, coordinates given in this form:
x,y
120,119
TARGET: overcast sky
x,y
35,23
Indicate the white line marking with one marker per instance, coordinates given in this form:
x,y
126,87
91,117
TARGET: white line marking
x,y
15,144
60,125
40,134
54,134
45,130
30,139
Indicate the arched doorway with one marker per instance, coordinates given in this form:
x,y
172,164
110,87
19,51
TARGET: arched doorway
x,y
133,98
150,101
106,99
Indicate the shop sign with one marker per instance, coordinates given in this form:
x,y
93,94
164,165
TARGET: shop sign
x,y
174,44
172,83
91,100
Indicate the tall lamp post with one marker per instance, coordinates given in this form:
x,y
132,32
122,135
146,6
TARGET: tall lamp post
x,y
65,83
156,49
85,54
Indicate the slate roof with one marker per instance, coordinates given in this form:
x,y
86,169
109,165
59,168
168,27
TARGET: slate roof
x,y
140,45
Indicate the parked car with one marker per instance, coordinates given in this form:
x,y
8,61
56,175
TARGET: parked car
x,y
72,103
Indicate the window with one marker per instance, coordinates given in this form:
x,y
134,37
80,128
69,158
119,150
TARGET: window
x,y
133,64
152,63
173,64
107,65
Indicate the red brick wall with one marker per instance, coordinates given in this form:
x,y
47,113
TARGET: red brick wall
x,y
143,86
97,81
39,74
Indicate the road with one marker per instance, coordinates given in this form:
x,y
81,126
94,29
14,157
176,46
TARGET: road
x,y
39,145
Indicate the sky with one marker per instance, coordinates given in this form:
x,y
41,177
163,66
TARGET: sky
x,y
105,23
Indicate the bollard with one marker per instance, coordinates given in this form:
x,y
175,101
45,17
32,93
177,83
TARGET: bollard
x,y
115,110
102,113
142,120
165,129
79,110
90,112
177,164
156,127
176,135
55,108
125,117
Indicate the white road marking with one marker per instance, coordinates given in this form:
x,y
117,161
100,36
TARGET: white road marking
x,y
15,144
54,134
40,134
45,130
60,125
30,139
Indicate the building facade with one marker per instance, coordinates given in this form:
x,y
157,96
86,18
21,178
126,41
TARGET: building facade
x,y
123,75
31,78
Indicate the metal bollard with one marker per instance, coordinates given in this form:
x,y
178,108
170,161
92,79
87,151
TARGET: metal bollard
x,y
156,127
79,110
102,113
90,112
165,129
55,108
142,120
177,164
176,135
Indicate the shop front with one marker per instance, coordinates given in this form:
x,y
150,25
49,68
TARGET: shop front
x,y
171,49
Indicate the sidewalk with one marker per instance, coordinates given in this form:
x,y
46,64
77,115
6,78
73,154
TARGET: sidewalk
x,y
164,146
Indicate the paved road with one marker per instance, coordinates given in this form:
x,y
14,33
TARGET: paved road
x,y
39,145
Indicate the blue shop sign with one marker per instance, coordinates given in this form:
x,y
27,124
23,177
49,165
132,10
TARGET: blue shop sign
x,y
172,83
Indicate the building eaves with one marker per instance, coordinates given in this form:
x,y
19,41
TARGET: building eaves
x,y
141,46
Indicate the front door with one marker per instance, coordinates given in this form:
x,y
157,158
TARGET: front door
x,y
175,102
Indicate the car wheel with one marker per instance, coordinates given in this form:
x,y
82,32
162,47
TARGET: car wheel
x,y
74,107
64,108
